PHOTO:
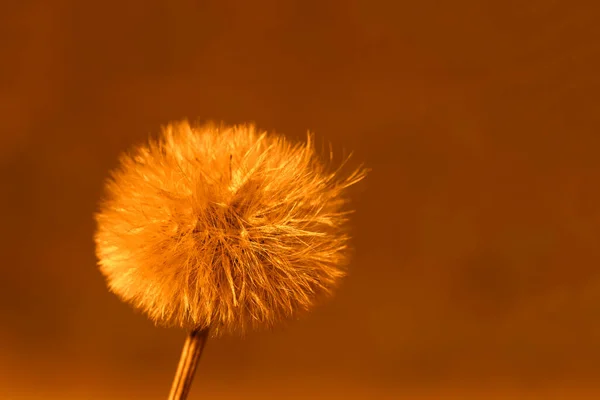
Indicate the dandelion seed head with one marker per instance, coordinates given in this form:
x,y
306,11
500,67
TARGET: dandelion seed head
x,y
224,227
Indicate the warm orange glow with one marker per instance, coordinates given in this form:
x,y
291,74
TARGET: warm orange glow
x,y
476,271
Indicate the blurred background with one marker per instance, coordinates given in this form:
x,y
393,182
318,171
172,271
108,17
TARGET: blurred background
x,y
476,234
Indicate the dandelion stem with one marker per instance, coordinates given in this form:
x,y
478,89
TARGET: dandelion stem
x,y
190,356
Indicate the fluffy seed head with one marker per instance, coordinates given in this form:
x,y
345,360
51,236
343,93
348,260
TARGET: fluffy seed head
x,y
223,227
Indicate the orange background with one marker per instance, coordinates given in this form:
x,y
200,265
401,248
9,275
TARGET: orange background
x,y
476,234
